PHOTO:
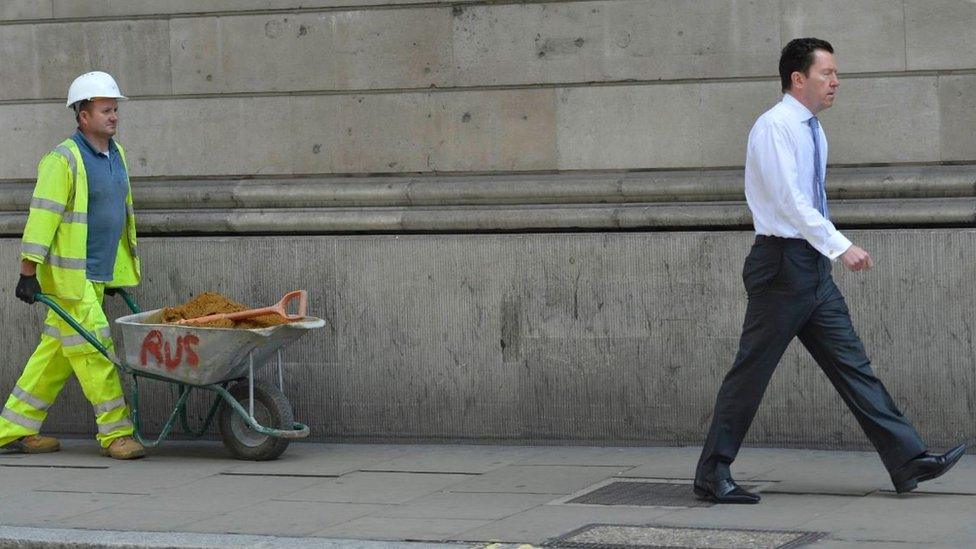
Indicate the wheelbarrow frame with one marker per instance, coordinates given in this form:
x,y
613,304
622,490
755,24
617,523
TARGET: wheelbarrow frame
x,y
298,430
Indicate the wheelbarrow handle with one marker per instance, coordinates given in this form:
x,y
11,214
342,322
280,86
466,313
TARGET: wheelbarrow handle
x,y
89,337
133,306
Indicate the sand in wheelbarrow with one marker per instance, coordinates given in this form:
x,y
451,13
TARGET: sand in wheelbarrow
x,y
209,303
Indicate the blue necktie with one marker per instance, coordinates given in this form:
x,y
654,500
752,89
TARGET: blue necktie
x,y
819,190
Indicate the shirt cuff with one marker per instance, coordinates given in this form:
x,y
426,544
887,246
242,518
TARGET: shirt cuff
x,y
836,245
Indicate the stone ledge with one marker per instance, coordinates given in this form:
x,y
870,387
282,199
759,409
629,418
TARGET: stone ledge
x,y
844,183
670,200
927,212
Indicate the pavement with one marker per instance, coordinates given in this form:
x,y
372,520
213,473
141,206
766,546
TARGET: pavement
x,y
192,494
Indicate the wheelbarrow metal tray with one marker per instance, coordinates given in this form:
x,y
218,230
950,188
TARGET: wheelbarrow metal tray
x,y
196,355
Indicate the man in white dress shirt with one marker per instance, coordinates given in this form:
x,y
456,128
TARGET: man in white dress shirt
x,y
791,292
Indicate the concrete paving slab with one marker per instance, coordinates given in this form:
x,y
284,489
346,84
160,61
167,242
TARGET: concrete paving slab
x,y
680,463
30,508
821,486
914,518
531,479
402,528
280,518
964,536
857,473
376,487
19,479
123,517
79,467
457,505
682,469
434,506
819,472
845,543
606,456
775,511
549,521
133,479
203,451
322,459
101,539
224,493
458,459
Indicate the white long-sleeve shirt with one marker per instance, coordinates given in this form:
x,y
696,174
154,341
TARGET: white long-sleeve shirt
x,y
779,178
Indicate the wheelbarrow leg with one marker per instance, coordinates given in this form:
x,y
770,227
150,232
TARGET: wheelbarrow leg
x,y
185,420
178,409
281,377
250,384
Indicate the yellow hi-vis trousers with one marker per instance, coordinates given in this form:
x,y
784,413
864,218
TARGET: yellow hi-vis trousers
x,y
63,351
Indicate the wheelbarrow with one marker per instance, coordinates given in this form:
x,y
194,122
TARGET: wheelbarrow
x,y
254,417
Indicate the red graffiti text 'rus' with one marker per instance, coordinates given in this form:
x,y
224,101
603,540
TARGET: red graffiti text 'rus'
x,y
168,355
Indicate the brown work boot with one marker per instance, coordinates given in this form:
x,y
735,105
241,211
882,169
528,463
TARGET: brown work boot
x,y
34,444
124,448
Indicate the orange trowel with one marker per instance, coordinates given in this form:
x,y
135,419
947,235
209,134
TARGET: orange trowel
x,y
278,308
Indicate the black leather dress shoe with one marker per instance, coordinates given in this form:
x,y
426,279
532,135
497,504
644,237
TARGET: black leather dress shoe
x,y
724,491
925,467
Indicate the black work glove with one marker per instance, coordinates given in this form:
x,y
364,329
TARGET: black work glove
x,y
27,288
112,291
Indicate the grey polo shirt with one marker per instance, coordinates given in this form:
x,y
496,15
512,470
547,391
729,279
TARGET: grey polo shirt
x,y
107,189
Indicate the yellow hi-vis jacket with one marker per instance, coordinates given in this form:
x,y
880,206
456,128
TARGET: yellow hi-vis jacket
x,y
56,235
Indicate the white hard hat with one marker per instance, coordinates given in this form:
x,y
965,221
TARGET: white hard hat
x,y
91,85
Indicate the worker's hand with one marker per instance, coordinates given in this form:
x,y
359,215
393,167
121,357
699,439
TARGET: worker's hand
x,y
27,288
112,291
856,259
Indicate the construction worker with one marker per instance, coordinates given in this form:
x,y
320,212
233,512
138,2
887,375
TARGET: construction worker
x,y
79,243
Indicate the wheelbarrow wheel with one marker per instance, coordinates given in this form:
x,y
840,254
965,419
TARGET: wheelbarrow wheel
x,y
271,409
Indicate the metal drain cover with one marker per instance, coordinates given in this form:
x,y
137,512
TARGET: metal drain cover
x,y
609,536
658,494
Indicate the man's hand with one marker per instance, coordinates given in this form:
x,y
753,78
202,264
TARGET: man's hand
x,y
27,288
112,291
28,267
856,259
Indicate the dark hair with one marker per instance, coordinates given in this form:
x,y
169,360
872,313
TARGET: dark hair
x,y
797,56
79,106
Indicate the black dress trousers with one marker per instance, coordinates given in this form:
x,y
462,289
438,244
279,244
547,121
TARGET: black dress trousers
x,y
791,294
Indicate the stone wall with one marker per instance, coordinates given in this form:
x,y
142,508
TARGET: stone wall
x,y
609,338
352,87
